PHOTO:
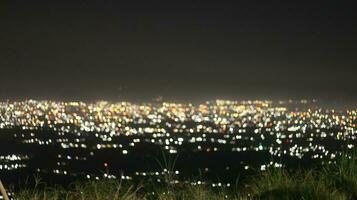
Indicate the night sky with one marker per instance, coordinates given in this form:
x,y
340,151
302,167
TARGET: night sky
x,y
92,50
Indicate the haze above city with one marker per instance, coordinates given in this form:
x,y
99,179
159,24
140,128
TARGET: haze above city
x,y
93,50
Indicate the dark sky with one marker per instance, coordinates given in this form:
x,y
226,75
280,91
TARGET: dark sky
x,y
99,49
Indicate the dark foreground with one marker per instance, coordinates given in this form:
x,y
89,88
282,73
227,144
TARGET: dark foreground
x,y
333,181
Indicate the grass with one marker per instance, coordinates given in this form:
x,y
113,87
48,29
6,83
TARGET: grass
x,y
92,190
343,175
167,165
335,181
195,192
277,183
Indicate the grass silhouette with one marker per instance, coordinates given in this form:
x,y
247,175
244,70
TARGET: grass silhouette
x,y
335,181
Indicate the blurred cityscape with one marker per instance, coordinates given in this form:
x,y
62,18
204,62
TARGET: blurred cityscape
x,y
122,140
